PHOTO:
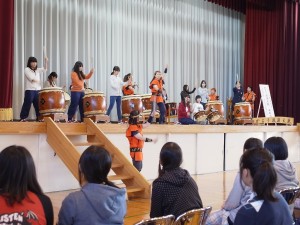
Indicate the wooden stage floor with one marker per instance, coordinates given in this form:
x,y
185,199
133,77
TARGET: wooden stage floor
x,y
213,189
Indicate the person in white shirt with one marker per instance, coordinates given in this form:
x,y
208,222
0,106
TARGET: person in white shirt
x,y
32,87
203,92
197,106
116,85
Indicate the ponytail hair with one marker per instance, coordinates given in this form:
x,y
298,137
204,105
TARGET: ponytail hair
x,y
259,162
116,68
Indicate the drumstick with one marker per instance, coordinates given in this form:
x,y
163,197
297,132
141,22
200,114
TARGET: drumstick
x,y
237,77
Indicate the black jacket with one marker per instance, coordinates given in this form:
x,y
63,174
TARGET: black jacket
x,y
175,192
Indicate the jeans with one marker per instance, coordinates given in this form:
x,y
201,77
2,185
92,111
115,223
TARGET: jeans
x,y
76,99
112,101
31,96
186,121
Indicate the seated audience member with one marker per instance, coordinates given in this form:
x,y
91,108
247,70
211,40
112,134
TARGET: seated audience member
x,y
267,206
174,191
99,201
21,198
286,172
184,111
238,196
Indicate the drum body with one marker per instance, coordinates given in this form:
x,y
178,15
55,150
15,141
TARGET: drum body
x,y
171,109
242,110
94,103
52,100
200,116
214,110
131,102
147,105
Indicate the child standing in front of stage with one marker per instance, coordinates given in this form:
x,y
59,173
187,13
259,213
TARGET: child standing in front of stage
x,y
136,139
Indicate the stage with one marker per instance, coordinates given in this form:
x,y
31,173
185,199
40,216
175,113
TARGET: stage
x,y
206,148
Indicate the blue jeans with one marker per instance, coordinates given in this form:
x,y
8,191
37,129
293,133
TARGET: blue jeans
x,y
76,99
112,100
31,96
162,111
186,121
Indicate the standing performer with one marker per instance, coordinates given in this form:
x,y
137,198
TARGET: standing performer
x,y
134,133
203,92
184,111
128,88
156,87
115,92
77,90
32,87
237,93
51,81
249,96
185,91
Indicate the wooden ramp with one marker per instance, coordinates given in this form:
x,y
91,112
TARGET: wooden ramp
x,y
66,149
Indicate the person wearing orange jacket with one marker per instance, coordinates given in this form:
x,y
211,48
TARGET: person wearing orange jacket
x,y
249,96
128,88
157,89
134,134
77,90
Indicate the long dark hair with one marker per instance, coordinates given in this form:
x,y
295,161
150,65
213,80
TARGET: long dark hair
x,y
51,76
116,68
170,158
30,60
278,147
259,162
80,74
94,165
185,88
17,174
157,71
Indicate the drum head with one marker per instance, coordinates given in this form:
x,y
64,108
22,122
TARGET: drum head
x,y
213,116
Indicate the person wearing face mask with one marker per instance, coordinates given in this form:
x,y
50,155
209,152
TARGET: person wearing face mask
x,y
77,90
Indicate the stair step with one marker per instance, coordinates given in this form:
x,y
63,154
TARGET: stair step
x,y
120,177
134,189
117,165
88,144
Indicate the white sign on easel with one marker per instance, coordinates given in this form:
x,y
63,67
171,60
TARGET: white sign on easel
x,y
266,100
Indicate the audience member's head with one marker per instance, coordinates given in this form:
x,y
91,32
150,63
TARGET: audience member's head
x,y
252,143
17,174
278,147
94,166
257,171
170,157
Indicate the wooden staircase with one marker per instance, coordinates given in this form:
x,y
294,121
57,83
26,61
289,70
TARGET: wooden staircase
x,y
66,148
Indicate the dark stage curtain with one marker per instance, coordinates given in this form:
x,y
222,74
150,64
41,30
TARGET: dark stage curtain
x,y
7,50
238,5
271,54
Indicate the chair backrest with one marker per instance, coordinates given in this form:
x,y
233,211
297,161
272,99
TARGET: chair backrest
x,y
164,220
290,194
193,217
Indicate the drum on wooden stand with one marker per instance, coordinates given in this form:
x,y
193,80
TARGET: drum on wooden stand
x,y
52,100
214,110
94,103
147,105
131,102
171,109
242,110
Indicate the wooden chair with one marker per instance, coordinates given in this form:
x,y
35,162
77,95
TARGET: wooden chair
x,y
290,194
194,217
164,220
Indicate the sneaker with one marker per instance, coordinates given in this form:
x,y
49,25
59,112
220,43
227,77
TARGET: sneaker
x,y
120,122
23,120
